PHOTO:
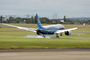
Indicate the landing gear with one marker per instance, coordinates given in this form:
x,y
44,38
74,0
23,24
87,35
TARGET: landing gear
x,y
57,36
43,36
60,34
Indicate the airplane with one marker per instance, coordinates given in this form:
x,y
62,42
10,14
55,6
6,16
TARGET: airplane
x,y
47,30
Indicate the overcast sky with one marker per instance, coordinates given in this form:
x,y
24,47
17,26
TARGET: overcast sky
x,y
46,8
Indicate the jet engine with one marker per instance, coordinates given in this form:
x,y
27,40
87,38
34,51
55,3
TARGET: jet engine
x,y
68,33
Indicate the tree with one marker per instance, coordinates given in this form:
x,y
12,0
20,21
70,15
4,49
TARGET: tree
x,y
17,21
44,20
11,19
8,21
18,18
54,22
1,19
35,19
31,20
64,18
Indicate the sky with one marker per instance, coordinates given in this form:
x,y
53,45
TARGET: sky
x,y
46,8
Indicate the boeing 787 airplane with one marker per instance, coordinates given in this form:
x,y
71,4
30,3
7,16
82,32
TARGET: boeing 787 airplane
x,y
47,30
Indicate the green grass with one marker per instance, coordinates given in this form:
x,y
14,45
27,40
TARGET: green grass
x,y
13,38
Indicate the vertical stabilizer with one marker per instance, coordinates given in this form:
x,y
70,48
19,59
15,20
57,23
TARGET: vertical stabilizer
x,y
38,22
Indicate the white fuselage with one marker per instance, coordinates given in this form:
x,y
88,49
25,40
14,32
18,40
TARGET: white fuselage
x,y
50,29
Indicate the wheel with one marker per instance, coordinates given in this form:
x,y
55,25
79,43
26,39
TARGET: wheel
x,y
43,36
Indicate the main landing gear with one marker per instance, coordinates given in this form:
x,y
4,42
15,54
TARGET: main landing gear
x,y
53,37
60,34
57,36
43,36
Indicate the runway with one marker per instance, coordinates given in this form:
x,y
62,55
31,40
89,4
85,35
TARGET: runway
x,y
45,54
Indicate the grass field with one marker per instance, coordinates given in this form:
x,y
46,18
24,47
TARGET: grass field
x,y
11,38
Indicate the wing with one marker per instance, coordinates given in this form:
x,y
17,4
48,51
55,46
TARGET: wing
x,y
24,28
61,31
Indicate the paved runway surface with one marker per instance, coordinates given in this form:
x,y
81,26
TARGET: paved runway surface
x,y
45,54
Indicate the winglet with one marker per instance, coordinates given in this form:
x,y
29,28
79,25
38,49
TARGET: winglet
x,y
38,22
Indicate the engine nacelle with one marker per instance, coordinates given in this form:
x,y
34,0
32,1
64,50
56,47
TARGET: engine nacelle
x,y
68,33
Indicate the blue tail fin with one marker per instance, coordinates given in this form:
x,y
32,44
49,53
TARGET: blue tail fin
x,y
38,22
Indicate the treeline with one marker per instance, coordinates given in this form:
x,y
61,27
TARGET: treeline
x,y
43,20
31,20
